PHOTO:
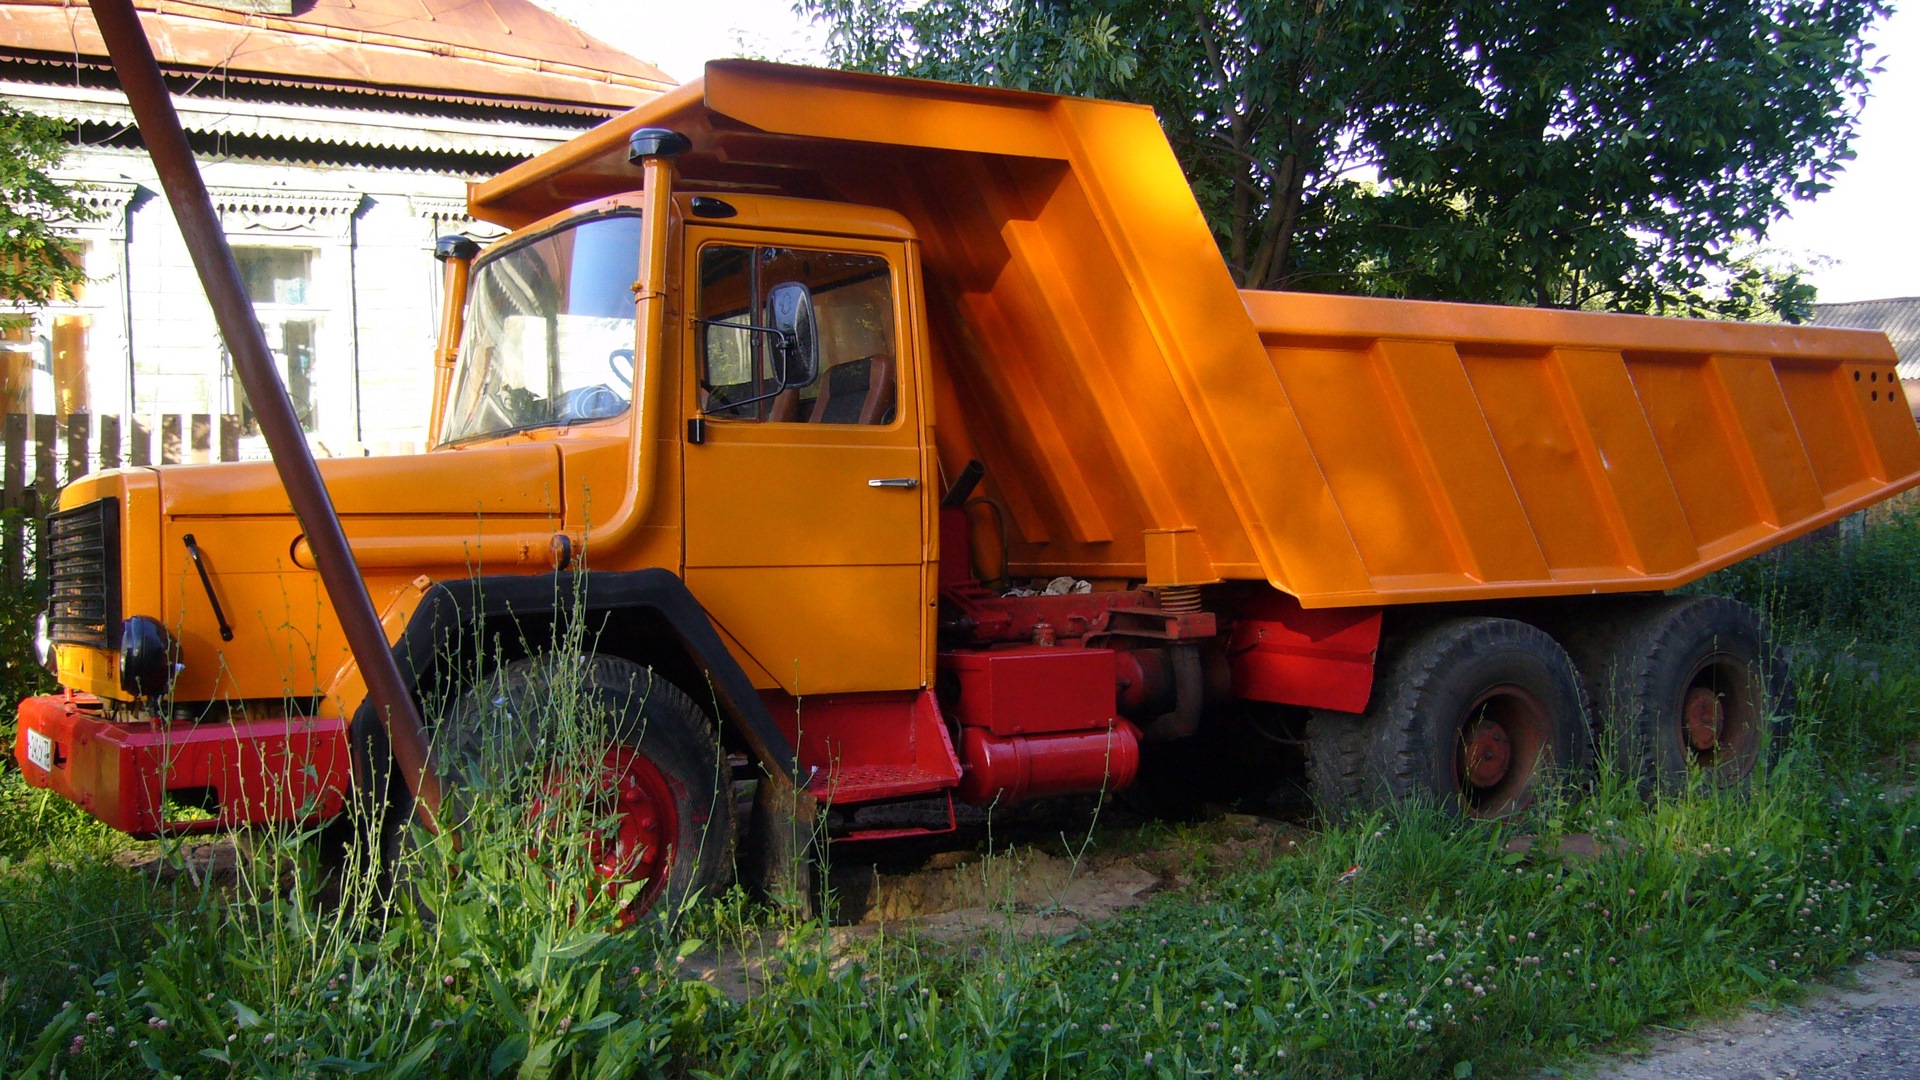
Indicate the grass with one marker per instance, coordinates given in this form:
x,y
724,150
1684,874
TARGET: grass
x,y
1412,946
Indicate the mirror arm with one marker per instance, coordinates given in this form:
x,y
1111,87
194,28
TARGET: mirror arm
x,y
786,337
779,380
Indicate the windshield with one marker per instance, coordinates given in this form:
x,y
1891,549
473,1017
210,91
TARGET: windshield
x,y
549,332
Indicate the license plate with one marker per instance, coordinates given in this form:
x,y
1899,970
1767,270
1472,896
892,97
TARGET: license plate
x,y
40,750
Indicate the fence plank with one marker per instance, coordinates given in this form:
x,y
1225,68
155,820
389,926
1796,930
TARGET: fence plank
x,y
14,486
46,443
170,439
79,447
109,442
141,452
15,466
230,437
202,437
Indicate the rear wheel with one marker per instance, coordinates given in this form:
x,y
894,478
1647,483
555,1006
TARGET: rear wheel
x,y
612,749
1477,715
1688,683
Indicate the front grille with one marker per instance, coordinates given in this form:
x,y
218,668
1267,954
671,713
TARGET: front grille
x,y
83,575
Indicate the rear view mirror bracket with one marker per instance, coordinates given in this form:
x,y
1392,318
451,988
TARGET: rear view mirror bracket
x,y
798,363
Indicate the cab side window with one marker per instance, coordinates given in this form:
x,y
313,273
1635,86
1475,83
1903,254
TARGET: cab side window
x,y
858,380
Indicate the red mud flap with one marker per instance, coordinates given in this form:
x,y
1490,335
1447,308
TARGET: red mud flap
x,y
258,771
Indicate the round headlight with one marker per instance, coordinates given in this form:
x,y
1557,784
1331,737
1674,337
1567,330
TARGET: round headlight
x,y
43,641
146,657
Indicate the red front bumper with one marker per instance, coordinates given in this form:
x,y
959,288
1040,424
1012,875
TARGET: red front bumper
x,y
259,771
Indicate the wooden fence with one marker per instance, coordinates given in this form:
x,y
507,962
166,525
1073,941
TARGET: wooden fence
x,y
40,454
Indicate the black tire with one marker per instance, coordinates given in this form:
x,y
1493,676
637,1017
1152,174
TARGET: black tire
x,y
1336,762
1645,669
777,858
1477,716
488,745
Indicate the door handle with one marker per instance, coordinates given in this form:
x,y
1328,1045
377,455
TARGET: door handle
x,y
907,482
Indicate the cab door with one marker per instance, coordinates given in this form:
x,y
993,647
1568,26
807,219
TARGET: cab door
x,y
805,505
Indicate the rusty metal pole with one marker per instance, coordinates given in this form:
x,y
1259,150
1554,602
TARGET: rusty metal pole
x,y
166,143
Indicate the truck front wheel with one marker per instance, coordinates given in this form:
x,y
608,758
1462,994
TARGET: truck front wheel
x,y
1475,715
617,750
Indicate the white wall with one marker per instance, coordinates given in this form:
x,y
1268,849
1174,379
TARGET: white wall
x,y
374,291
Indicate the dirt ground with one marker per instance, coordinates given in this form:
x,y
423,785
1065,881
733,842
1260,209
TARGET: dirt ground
x,y
1863,1027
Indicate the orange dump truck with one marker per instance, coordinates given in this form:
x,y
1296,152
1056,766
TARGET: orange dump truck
x,y
909,442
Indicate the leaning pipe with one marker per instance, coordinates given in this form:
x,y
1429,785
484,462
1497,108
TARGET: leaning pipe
x,y
166,143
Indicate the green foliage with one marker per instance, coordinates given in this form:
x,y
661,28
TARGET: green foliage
x,y
36,261
1617,157
20,604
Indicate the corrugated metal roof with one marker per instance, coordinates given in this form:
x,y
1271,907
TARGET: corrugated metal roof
x,y
1896,317
98,72
496,48
302,123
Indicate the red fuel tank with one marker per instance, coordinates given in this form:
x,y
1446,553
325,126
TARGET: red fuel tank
x,y
1007,770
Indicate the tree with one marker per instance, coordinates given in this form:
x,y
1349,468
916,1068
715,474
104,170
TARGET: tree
x,y
1577,154
37,263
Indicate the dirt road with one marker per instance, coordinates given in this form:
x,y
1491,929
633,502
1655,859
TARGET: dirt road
x,y
1866,1028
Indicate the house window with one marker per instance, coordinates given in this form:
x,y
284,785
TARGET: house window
x,y
279,281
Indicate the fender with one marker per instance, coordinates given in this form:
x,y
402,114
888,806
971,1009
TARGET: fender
x,y
449,609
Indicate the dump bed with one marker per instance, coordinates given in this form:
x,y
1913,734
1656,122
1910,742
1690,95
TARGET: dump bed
x,y
1141,417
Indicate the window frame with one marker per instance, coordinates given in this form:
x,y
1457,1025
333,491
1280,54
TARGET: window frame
x,y
891,256
506,247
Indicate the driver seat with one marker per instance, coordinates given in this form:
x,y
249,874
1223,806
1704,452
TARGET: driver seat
x,y
859,391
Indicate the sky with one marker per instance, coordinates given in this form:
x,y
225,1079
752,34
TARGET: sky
x,y
1861,240
679,37
1869,224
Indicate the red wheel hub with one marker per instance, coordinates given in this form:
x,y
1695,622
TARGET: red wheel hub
x,y
1503,739
1704,716
630,806
1487,753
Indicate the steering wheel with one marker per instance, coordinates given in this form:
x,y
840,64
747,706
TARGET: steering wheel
x,y
592,403
613,361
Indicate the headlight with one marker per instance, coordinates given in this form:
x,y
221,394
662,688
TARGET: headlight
x,y
43,642
146,657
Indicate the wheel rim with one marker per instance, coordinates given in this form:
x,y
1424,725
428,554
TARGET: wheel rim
x,y
1719,727
629,809
1502,737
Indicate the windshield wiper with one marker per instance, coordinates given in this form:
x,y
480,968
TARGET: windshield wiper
x,y
219,616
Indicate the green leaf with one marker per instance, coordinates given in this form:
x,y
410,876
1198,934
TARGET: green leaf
x,y
603,1020
245,1017
415,1059
575,948
509,1008
509,1052
344,1065
539,1060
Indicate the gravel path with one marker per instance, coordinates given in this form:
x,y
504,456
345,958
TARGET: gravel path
x,y
1868,1029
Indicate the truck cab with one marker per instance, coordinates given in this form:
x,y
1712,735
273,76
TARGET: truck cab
x,y
803,520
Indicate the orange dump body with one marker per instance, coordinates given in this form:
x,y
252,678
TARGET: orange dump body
x,y
1140,417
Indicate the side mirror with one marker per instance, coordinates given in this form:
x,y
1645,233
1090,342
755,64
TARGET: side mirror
x,y
797,363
